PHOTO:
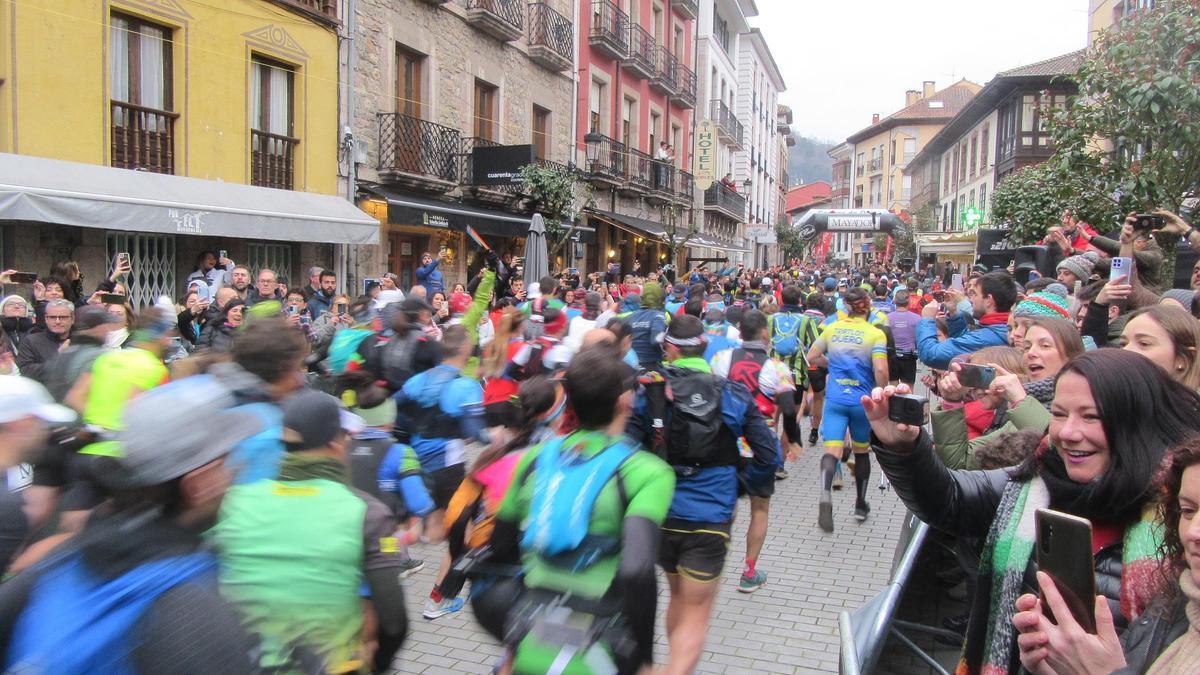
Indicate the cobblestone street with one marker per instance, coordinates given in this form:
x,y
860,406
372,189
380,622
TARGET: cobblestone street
x,y
788,626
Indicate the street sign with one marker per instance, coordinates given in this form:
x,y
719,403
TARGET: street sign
x,y
705,152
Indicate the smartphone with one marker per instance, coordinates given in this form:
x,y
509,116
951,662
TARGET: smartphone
x,y
976,376
113,298
1064,551
1121,267
1148,221
956,282
908,409
122,260
204,294
222,254
23,277
304,320
341,308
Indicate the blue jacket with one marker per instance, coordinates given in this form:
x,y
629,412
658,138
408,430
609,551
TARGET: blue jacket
x,y
649,325
318,304
430,277
439,438
938,354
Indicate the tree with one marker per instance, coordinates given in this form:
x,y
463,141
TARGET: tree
x,y
677,232
557,193
791,243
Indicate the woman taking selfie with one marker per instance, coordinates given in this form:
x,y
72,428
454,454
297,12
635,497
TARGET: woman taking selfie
x,y
1049,344
1169,337
1093,464
1167,638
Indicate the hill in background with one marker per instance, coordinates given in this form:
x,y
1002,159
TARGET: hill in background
x,y
808,161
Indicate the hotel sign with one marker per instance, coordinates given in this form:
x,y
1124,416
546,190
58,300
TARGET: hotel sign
x,y
705,152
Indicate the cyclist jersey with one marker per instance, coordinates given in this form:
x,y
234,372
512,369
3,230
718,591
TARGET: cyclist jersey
x,y
874,317
117,377
851,345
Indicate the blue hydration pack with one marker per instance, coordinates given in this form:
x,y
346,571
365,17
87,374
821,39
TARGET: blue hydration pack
x,y
77,622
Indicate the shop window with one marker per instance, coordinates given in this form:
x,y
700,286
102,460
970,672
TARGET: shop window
x,y
152,263
275,257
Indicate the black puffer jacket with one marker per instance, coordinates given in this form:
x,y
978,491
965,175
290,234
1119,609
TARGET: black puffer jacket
x,y
1163,622
964,503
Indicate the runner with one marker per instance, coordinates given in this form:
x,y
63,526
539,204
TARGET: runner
x,y
856,354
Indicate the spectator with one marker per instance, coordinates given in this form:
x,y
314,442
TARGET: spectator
x,y
212,271
1076,269
239,280
15,320
428,274
295,308
218,334
1051,302
41,346
321,300
267,288
89,340
314,283
992,296
140,567
1169,337
329,323
192,318
1094,465
1184,299
71,279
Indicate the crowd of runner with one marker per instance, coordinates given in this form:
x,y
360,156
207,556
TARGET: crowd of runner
x,y
232,482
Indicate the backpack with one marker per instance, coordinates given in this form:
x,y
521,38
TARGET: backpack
x,y
745,367
693,433
785,334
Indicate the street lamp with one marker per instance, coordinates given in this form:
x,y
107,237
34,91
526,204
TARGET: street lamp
x,y
592,142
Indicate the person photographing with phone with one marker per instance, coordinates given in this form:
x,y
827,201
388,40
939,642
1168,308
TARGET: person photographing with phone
x,y
1093,464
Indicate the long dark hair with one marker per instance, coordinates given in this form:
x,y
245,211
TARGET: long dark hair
x,y
536,397
1170,478
1143,412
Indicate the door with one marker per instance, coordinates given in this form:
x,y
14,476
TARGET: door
x,y
410,157
404,255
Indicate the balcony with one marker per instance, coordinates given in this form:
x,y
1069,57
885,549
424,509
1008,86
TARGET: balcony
x,y
876,165
685,86
323,10
686,8
142,138
610,29
666,72
551,37
418,153
725,200
608,167
502,19
729,127
684,188
664,182
639,172
643,52
272,160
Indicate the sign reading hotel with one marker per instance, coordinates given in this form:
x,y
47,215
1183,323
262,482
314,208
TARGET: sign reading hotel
x,y
705,152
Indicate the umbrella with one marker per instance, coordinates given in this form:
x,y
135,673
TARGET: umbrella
x,y
536,263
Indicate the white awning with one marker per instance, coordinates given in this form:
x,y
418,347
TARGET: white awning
x,y
87,195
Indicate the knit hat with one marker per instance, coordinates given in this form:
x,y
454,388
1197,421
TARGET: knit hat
x,y
1180,295
1080,265
1048,302
830,283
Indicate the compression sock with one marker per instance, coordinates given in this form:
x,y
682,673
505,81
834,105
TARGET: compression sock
x,y
862,475
749,570
436,594
828,466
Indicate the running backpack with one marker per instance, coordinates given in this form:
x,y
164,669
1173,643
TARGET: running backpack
x,y
785,334
397,358
695,434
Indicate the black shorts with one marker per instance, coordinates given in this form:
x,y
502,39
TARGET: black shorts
x,y
443,483
84,491
903,368
816,379
694,550
756,481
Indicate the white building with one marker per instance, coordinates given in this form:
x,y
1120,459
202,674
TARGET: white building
x,y
757,165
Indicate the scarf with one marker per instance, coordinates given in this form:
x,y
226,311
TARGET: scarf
x,y
990,646
994,319
1042,390
1183,656
297,467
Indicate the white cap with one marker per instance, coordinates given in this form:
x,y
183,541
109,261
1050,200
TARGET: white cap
x,y
766,281
21,397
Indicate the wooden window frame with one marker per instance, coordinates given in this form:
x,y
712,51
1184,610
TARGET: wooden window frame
x,y
541,132
257,60
485,106
405,56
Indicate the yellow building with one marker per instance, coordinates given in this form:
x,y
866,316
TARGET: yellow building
x,y
881,151
218,107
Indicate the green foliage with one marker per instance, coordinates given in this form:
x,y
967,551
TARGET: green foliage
x,y
678,229
1033,199
557,193
790,242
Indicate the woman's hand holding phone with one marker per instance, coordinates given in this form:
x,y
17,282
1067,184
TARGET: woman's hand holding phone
x,y
1049,648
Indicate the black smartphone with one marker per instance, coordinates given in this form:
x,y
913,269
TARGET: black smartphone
x,y
23,277
975,376
112,298
1148,221
1064,551
341,308
908,409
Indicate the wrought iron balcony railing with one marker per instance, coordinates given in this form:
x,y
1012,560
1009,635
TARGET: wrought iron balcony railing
x,y
551,37
416,147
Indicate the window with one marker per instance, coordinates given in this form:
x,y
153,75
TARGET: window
x,y
679,49
272,144
876,191
971,200
983,200
861,167
946,174
485,111
541,131
974,153
983,149
721,31
152,265
597,107
676,145
858,196
628,122
140,80
658,25
910,149
655,138
275,257
892,161
409,65
962,162
1006,133
906,190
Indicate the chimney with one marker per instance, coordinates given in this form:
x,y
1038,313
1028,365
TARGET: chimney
x,y
875,118
911,96
927,89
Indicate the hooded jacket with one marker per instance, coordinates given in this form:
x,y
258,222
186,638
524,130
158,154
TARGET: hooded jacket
x,y
649,324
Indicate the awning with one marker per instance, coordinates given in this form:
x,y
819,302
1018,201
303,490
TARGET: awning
x,y
410,209
631,224
87,195
950,243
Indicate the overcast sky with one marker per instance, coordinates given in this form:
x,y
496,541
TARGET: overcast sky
x,y
846,59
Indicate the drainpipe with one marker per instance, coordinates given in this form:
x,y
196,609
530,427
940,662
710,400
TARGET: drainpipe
x,y
343,250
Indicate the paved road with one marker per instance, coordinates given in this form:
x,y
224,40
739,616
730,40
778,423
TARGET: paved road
x,y
788,626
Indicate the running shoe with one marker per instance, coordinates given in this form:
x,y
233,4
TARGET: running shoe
x,y
781,473
410,567
751,584
434,610
825,515
837,477
861,510
812,437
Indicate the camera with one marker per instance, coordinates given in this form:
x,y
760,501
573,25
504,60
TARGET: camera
x,y
976,377
908,409
1148,221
